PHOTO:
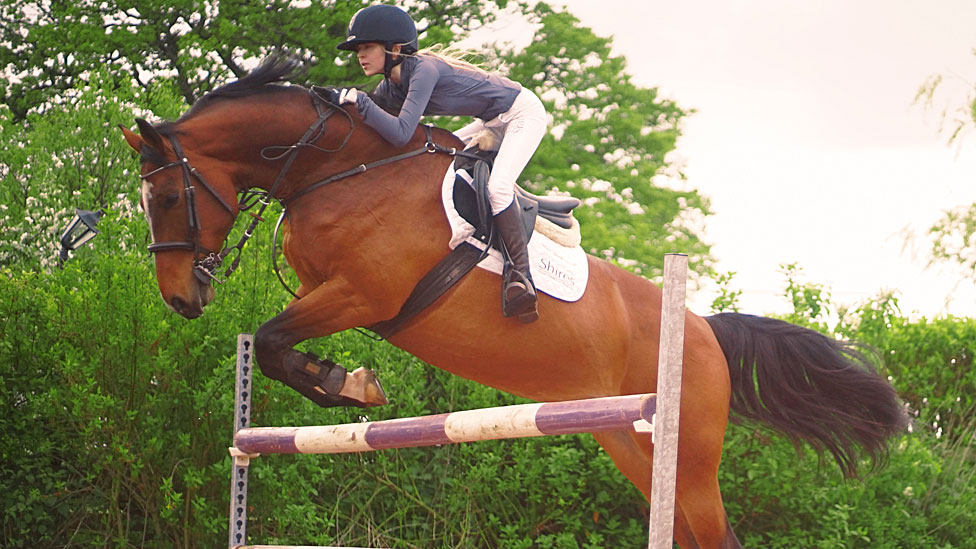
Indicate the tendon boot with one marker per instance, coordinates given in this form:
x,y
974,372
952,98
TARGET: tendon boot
x,y
518,292
327,384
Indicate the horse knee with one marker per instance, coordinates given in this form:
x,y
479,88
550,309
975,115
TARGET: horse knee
x,y
268,350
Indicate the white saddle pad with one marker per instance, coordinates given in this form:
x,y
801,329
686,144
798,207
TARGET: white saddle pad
x,y
557,270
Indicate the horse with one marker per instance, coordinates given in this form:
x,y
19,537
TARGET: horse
x,y
360,242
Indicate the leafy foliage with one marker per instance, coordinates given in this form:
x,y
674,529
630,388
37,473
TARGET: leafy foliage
x,y
727,299
69,155
953,237
811,302
920,497
116,414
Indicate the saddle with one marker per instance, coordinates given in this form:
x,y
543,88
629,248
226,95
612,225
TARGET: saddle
x,y
472,171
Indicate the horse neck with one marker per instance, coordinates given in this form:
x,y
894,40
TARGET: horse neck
x,y
402,196
249,138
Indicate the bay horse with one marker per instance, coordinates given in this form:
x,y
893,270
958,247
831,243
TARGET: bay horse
x,y
360,243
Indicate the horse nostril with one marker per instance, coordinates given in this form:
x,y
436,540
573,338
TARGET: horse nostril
x,y
178,304
184,308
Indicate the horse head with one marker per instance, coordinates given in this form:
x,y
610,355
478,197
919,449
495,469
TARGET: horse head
x,y
189,216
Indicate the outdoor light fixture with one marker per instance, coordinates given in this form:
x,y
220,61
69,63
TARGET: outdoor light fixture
x,y
80,229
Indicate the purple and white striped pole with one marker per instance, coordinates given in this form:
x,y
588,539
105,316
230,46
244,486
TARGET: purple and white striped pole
x,y
523,420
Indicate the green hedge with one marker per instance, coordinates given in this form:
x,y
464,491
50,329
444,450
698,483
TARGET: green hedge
x,y
117,416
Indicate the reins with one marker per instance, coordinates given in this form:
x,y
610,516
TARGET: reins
x,y
312,134
206,262
429,147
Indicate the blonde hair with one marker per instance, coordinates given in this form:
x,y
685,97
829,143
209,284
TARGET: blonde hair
x,y
451,55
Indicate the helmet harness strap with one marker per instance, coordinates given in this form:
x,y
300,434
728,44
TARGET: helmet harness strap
x,y
390,62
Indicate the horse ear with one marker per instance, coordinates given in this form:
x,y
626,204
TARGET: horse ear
x,y
149,135
132,138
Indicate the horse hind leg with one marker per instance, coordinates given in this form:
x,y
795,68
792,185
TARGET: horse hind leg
x,y
700,501
636,466
702,424
699,516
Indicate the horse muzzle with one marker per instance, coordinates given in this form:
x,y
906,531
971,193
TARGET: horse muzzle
x,y
191,306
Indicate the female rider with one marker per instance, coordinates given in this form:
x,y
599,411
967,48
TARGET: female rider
x,y
384,38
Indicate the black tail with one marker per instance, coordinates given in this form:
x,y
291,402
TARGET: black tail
x,y
809,387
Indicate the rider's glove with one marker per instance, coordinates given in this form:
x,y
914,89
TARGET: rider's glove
x,y
341,96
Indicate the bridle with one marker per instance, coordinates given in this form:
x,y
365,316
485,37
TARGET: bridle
x,y
206,261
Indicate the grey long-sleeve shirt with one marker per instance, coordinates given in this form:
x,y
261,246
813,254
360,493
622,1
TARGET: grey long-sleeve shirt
x,y
431,86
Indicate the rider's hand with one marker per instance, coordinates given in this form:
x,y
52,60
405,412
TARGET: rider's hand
x,y
347,95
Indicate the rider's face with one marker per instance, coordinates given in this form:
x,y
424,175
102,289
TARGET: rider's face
x,y
372,57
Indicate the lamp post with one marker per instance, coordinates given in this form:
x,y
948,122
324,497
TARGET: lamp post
x,y
80,230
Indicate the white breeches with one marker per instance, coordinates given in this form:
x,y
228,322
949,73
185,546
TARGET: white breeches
x,y
520,130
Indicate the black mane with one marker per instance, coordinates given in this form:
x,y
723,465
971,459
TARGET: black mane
x,y
261,80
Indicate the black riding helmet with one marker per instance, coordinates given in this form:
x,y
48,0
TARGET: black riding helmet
x,y
386,24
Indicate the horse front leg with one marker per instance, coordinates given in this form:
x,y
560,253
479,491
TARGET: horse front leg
x,y
320,313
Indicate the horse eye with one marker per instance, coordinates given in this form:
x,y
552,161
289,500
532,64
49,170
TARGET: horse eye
x,y
170,200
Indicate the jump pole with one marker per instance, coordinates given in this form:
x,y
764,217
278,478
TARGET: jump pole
x,y
637,412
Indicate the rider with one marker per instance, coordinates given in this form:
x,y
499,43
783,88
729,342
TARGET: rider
x,y
384,38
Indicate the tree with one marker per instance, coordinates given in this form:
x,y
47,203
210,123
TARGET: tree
x,y
953,237
64,158
608,143
73,70
47,47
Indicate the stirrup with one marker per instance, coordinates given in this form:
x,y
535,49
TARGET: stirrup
x,y
519,299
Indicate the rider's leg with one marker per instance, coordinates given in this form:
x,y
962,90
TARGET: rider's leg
x,y
524,126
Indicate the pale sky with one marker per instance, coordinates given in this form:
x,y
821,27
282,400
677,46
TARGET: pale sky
x,y
806,139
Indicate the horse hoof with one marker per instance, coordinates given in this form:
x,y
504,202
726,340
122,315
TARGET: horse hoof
x,y
363,386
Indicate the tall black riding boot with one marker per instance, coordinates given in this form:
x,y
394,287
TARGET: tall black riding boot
x,y
518,292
